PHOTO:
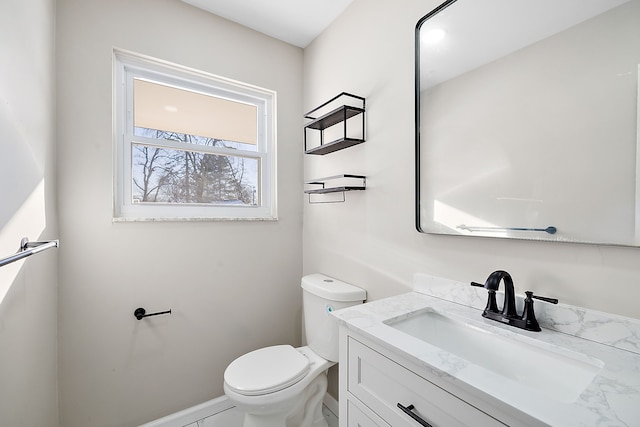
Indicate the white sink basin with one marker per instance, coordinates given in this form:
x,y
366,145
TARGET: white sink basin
x,y
558,373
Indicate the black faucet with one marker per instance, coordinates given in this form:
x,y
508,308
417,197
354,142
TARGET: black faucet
x,y
508,314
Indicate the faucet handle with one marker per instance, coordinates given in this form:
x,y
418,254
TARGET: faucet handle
x,y
528,316
492,305
547,299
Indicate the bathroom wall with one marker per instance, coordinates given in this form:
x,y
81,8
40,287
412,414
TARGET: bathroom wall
x,y
28,302
232,286
370,240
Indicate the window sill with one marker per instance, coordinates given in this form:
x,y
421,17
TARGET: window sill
x,y
143,219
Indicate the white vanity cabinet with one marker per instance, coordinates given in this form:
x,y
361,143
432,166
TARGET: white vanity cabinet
x,y
572,373
373,381
360,416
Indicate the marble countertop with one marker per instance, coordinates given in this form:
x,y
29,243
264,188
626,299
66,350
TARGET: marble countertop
x,y
612,343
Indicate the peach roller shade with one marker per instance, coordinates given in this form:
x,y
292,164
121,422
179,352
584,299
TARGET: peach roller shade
x,y
167,108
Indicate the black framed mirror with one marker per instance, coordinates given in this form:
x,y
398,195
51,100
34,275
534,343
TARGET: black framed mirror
x,y
527,120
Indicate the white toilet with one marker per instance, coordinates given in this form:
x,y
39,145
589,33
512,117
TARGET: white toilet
x,y
282,386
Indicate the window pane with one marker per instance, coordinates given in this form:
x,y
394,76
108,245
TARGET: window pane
x,y
161,175
172,110
192,139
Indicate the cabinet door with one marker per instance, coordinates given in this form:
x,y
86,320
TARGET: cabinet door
x,y
357,417
380,383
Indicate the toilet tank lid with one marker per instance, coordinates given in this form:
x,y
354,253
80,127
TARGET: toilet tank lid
x,y
332,289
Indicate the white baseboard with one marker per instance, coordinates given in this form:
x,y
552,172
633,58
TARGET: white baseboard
x,y
216,407
332,404
193,414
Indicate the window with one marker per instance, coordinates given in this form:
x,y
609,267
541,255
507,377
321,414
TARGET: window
x,y
190,145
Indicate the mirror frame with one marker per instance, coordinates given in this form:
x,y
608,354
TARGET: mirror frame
x,y
422,20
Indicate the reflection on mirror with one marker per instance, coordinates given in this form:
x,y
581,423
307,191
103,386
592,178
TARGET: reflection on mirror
x,y
526,120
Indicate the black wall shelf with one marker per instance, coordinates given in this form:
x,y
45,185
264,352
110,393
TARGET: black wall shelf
x,y
343,119
342,114
338,144
341,184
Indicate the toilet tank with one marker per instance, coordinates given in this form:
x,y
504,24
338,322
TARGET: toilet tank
x,y
322,295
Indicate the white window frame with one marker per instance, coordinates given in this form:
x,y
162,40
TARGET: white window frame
x,y
128,66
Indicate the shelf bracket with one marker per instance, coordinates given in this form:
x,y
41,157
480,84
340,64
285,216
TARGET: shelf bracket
x,y
312,202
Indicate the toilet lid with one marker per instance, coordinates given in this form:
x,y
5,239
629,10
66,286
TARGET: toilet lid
x,y
266,370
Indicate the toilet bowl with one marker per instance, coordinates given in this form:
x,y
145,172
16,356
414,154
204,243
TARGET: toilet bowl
x,y
278,386
283,386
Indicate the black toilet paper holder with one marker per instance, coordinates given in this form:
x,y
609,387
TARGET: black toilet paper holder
x,y
141,313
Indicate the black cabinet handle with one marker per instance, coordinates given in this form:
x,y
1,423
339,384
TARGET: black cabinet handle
x,y
409,411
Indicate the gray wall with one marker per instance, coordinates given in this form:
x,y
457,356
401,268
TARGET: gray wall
x,y
28,329
232,286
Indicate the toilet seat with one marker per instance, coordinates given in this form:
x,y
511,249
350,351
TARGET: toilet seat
x,y
266,370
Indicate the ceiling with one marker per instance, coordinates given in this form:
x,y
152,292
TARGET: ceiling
x,y
297,22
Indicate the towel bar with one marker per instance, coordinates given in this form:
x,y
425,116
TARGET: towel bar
x,y
28,248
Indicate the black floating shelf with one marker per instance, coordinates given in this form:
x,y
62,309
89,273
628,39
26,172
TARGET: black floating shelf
x,y
340,186
336,145
334,117
349,134
334,190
